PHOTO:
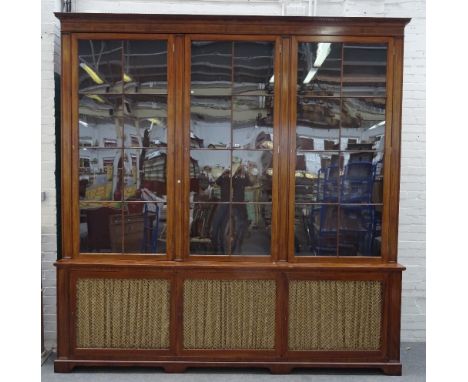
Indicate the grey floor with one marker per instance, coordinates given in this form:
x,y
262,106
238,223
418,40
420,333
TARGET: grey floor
x,y
413,356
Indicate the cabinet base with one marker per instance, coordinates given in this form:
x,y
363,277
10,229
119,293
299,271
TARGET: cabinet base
x,y
66,366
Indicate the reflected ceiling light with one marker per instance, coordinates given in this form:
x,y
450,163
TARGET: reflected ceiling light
x,y
96,98
323,50
96,78
127,78
155,121
83,123
310,75
272,79
377,125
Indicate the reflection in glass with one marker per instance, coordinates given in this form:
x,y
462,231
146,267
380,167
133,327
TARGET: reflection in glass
x,y
145,124
223,229
250,229
100,63
100,230
315,230
209,229
319,68
254,67
360,230
210,122
363,124
362,179
252,122
318,123
251,176
144,227
98,123
316,177
364,69
145,66
145,174
211,68
100,174
211,178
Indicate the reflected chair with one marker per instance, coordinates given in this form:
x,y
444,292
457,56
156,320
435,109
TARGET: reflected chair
x,y
322,222
357,216
149,243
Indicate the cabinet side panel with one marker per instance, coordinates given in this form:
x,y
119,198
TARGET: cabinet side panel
x,y
393,207
66,148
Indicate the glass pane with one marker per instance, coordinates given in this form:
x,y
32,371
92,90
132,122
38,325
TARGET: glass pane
x,y
211,68
365,69
144,228
145,66
319,68
316,176
362,179
250,176
363,124
100,174
210,175
145,174
145,124
315,230
254,67
252,122
318,123
250,229
210,122
100,64
360,230
100,229
209,229
99,124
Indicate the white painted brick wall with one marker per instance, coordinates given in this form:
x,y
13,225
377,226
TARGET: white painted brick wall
x,y
412,237
49,63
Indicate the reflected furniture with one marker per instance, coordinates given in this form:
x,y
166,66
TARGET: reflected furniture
x,y
229,190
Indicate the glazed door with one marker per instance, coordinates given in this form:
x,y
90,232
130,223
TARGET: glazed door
x,y
123,127
231,134
338,147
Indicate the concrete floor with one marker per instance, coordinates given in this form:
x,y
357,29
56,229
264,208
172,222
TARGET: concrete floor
x,y
413,356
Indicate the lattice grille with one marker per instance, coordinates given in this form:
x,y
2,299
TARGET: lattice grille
x,y
229,314
122,313
334,315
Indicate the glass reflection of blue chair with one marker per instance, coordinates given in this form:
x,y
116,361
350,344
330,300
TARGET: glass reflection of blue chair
x,y
150,228
359,221
321,223
357,217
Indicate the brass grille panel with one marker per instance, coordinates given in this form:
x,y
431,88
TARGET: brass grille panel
x,y
229,314
122,313
334,315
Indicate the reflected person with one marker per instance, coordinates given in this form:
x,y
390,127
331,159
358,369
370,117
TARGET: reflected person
x,y
240,181
221,214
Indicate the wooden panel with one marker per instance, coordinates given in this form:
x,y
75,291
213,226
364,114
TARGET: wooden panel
x,y
338,26
229,314
63,314
284,80
334,315
394,187
66,149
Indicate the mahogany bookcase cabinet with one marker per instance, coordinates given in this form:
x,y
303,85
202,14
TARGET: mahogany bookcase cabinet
x,y
229,192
